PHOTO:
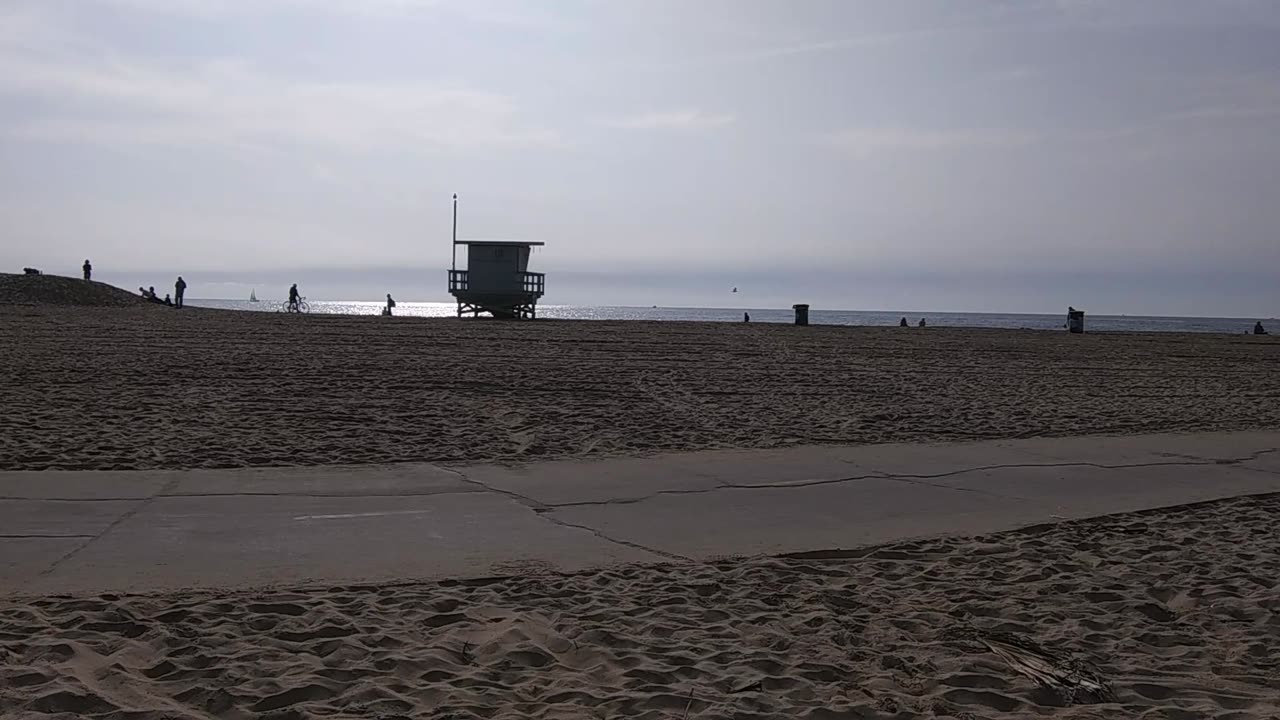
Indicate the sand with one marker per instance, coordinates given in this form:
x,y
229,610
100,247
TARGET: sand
x,y
1165,614
60,290
1162,614
155,388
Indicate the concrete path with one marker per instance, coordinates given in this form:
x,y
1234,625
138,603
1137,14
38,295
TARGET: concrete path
x,y
109,531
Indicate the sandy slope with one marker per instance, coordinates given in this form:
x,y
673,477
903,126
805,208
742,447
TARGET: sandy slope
x,y
91,388
59,290
1175,612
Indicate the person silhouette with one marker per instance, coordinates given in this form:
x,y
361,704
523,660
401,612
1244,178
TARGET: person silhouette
x,y
88,269
179,288
902,322
1258,329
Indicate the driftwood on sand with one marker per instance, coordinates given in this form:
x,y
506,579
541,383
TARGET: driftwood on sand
x,y
1073,679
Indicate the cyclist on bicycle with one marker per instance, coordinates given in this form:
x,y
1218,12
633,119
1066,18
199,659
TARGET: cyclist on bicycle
x,y
293,298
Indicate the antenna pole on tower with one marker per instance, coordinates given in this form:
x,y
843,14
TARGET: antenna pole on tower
x,y
455,231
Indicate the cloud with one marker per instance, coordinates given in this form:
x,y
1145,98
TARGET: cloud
x,y
675,120
92,95
871,140
493,12
226,7
990,22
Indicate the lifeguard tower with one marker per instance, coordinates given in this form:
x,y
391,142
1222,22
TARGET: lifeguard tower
x,y
497,280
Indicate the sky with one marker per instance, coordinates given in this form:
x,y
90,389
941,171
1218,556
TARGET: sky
x,y
990,155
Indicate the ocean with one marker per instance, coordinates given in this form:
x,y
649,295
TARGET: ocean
x,y
817,316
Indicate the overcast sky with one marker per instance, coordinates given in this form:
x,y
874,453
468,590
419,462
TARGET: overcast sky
x,y
1008,155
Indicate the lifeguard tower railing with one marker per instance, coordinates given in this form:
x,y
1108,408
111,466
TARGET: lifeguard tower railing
x,y
530,283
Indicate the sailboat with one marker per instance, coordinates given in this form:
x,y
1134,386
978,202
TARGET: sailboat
x,y
253,295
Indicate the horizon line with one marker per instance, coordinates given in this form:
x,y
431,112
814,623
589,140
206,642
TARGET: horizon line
x,y
812,309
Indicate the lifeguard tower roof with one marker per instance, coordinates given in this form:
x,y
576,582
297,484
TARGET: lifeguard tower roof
x,y
525,243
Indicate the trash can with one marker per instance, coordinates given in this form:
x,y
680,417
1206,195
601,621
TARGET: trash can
x,y
1075,321
802,314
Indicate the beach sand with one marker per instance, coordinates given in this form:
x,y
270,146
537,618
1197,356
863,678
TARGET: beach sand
x,y
154,388
1172,613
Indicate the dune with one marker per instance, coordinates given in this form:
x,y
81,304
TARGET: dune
x,y
57,290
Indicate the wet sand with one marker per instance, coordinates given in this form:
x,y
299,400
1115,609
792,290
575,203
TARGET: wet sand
x,y
1162,614
153,388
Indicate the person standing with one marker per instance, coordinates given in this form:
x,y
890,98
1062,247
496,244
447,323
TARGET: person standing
x,y
294,297
390,304
179,288
88,269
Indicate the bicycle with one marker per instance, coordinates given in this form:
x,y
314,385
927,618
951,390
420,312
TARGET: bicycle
x,y
300,307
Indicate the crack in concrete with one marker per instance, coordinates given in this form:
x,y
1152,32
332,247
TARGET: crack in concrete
x,y
543,511
142,504
1261,470
912,480
336,495
43,536
140,498
525,500
546,510
658,493
909,480
915,479
1257,455
457,491
626,543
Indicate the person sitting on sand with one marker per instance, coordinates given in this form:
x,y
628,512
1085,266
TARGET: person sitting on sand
x,y
746,317
167,300
902,322
293,297
922,322
1258,329
151,294
88,269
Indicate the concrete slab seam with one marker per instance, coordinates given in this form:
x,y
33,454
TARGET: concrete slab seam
x,y
544,511
142,504
461,491
546,515
18,498
43,536
917,479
